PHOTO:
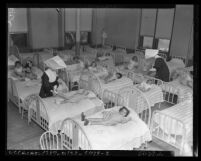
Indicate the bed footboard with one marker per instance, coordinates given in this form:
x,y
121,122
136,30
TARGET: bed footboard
x,y
70,137
37,112
171,94
169,130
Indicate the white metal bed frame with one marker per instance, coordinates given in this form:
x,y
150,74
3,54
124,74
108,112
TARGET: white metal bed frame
x,y
22,104
162,135
170,94
156,131
42,119
73,137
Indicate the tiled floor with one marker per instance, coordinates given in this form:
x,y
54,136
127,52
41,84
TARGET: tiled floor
x,y
20,135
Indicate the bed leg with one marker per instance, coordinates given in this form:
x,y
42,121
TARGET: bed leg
x,y
159,105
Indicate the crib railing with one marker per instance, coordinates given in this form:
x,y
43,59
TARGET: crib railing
x,y
136,100
37,111
165,127
70,137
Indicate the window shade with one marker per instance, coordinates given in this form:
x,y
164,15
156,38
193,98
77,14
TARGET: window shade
x,y
85,19
148,20
70,19
164,23
19,23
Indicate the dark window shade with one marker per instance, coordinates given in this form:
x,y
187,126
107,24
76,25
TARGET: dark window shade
x,y
70,38
20,40
146,42
140,42
148,21
164,23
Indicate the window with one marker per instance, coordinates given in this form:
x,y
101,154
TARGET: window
x,y
163,45
84,38
147,42
20,40
70,38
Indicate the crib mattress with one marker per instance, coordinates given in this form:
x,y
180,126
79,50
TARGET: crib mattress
x,y
119,137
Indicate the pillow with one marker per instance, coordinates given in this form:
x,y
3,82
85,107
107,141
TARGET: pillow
x,y
178,61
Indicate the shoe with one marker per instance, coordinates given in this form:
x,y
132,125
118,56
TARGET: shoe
x,y
82,116
86,122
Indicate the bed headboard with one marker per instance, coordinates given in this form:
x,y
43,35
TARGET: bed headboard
x,y
112,99
136,100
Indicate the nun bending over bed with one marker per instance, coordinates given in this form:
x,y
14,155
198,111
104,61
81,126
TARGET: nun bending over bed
x,y
50,82
109,118
157,65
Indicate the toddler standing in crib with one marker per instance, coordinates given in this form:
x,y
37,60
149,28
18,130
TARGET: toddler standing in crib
x,y
110,118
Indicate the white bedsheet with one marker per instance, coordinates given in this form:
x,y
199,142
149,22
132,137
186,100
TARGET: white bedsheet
x,y
77,104
117,137
154,95
26,88
172,66
117,84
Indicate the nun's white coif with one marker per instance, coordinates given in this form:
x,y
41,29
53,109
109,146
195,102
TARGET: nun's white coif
x,y
55,63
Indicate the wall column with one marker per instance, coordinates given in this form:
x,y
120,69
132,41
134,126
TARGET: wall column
x,y
78,32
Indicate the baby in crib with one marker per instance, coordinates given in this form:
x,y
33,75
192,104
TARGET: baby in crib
x,y
133,64
112,76
93,67
110,118
77,60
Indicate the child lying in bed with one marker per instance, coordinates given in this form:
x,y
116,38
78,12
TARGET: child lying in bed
x,y
112,76
93,67
18,70
110,118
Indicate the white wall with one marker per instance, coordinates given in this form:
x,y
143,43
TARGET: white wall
x,y
44,27
122,27
19,23
182,30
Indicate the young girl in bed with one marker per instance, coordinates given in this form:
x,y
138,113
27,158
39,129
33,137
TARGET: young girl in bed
x,y
28,70
110,118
